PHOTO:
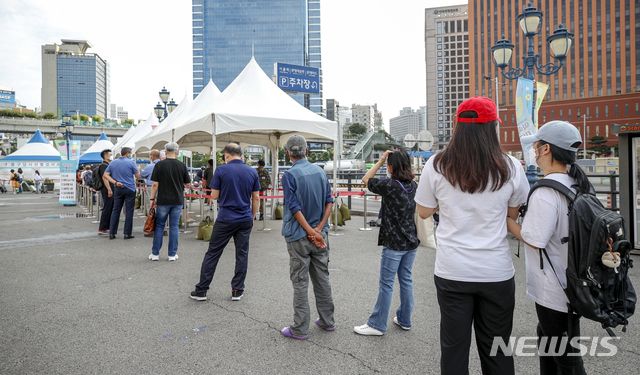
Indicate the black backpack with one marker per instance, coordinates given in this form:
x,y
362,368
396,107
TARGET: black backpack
x,y
594,290
98,184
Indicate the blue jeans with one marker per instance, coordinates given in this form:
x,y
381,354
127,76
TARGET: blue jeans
x,y
393,262
173,212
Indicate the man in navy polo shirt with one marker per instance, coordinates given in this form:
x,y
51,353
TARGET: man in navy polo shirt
x,y
120,173
237,187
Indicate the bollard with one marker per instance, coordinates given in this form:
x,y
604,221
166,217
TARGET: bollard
x,y
201,205
100,204
264,218
184,215
365,215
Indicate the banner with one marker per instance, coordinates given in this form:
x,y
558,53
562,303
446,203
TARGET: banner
x,y
524,106
68,170
541,92
74,148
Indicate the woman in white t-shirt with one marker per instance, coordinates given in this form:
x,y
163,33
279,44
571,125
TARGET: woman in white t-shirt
x,y
543,227
475,186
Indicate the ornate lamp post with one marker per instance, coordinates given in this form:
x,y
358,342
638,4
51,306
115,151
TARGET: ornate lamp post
x,y
163,110
66,128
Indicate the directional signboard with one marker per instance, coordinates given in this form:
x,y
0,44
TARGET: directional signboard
x,y
296,78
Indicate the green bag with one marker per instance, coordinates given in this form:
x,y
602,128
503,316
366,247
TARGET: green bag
x,y
137,201
202,224
333,218
207,229
344,210
278,211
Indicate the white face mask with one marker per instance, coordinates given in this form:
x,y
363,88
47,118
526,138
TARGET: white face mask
x,y
533,156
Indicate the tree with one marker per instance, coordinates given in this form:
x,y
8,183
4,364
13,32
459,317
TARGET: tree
x,y
97,118
313,157
357,129
283,159
128,121
598,145
380,147
49,116
84,118
389,137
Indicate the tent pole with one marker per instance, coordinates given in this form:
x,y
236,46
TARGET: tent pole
x,y
335,182
276,180
214,156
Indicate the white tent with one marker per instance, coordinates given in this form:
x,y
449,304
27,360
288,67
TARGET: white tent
x,y
37,154
181,112
125,137
142,130
200,107
92,155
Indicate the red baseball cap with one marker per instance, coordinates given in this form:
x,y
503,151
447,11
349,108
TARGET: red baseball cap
x,y
484,107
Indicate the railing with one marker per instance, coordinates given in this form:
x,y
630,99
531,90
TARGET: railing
x,y
105,124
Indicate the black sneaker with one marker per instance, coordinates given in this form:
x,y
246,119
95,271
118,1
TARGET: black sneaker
x,y
199,296
236,294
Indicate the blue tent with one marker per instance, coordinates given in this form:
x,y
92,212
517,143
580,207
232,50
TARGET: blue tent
x,y
92,155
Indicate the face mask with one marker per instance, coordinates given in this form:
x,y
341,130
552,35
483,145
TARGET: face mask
x,y
533,156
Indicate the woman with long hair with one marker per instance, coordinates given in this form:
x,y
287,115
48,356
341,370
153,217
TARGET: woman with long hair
x,y
544,226
475,186
398,238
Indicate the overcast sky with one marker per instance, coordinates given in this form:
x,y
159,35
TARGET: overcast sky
x,y
372,50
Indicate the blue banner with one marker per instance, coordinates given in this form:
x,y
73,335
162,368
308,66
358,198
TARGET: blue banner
x,y
8,97
68,170
296,78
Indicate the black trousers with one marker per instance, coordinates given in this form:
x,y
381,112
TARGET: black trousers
x,y
486,306
122,197
553,325
107,208
220,236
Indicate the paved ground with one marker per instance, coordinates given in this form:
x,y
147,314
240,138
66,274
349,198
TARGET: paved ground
x,y
74,302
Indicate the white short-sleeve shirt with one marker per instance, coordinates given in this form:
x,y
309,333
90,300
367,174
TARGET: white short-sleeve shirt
x,y
544,226
472,244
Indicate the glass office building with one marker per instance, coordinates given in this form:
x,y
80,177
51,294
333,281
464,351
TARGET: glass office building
x,y
73,79
227,32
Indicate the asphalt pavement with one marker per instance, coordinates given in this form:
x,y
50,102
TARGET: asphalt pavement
x,y
75,302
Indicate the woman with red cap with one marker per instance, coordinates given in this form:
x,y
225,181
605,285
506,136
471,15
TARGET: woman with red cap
x,y
475,186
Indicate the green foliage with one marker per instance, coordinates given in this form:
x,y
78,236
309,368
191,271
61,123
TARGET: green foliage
x,y
128,121
13,149
31,115
357,129
11,113
49,116
598,146
97,118
389,137
84,117
313,157
380,147
283,159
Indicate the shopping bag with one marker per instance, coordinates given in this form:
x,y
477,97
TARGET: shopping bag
x,y
203,223
207,229
425,230
344,210
278,211
150,223
137,201
339,217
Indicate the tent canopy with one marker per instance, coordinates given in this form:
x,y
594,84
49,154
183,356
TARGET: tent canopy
x,y
140,132
38,148
37,154
252,111
174,118
92,155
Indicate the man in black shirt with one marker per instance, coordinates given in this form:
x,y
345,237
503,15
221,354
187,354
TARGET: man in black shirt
x,y
107,196
169,177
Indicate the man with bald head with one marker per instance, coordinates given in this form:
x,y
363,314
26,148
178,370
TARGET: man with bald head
x,y
236,186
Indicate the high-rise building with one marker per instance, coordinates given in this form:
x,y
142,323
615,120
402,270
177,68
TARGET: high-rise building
x,y
447,61
600,77
345,118
332,109
73,79
378,123
363,115
409,122
227,33
117,112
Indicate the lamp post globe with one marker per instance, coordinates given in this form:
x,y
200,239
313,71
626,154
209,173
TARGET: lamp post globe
x,y
171,106
159,111
164,95
530,20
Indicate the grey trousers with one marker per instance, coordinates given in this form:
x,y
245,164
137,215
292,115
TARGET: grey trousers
x,y
306,261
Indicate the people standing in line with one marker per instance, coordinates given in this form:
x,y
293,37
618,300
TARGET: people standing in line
x,y
265,181
207,175
475,186
37,178
399,240
87,176
20,174
169,179
198,178
236,186
307,206
544,227
107,193
154,158
121,173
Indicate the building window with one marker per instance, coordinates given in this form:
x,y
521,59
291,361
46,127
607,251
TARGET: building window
x,y
616,110
439,46
440,132
597,111
440,125
439,39
552,115
606,131
637,109
513,136
505,136
626,109
606,111
439,28
597,129
569,114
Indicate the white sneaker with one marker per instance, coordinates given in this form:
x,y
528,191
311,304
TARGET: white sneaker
x,y
154,257
395,320
171,259
367,331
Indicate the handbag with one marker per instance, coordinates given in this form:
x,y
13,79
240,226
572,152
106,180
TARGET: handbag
x,y
344,210
150,223
424,228
278,212
202,224
207,229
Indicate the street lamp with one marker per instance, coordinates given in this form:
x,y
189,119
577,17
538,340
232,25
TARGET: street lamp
x,y
66,128
584,134
163,110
